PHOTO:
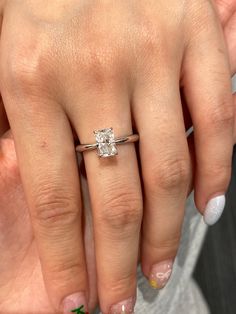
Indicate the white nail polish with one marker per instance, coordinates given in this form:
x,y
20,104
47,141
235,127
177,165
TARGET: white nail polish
x,y
214,210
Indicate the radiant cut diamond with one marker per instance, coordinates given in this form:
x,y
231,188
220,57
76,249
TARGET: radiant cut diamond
x,y
105,142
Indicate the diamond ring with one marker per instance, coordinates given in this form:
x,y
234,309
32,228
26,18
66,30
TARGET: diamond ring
x,y
106,142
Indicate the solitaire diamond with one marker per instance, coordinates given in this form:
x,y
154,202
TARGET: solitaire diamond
x,y
105,142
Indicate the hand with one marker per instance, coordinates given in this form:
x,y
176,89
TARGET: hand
x,y
4,125
20,270
227,14
91,65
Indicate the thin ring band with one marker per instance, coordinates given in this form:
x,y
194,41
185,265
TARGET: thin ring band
x,y
120,140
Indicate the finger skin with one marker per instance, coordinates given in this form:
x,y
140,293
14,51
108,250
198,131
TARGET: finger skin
x,y
230,37
31,55
4,125
50,180
166,169
207,85
46,154
225,9
21,274
116,198
94,53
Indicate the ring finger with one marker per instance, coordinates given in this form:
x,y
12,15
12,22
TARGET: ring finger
x,y
116,199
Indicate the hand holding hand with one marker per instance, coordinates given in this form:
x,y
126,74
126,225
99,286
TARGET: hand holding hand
x,y
97,65
20,269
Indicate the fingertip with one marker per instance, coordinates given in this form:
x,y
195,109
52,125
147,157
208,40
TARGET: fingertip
x,y
124,307
214,210
160,274
75,303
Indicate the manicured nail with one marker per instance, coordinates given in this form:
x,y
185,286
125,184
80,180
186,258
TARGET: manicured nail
x,y
160,274
214,209
123,307
75,303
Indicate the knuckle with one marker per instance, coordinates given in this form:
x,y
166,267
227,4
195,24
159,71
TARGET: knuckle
x,y
222,116
148,36
220,172
27,68
20,72
104,60
226,7
150,40
121,208
116,283
101,65
171,173
65,267
64,272
170,244
166,247
201,13
54,206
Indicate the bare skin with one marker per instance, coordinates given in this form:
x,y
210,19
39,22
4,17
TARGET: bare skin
x,y
20,270
24,275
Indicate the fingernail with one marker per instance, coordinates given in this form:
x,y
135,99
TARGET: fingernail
x,y
123,307
75,303
160,274
214,209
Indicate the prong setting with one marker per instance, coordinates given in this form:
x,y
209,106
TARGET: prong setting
x,y
105,140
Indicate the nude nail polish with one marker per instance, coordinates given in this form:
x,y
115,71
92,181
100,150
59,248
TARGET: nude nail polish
x,y
75,303
123,307
214,210
160,274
